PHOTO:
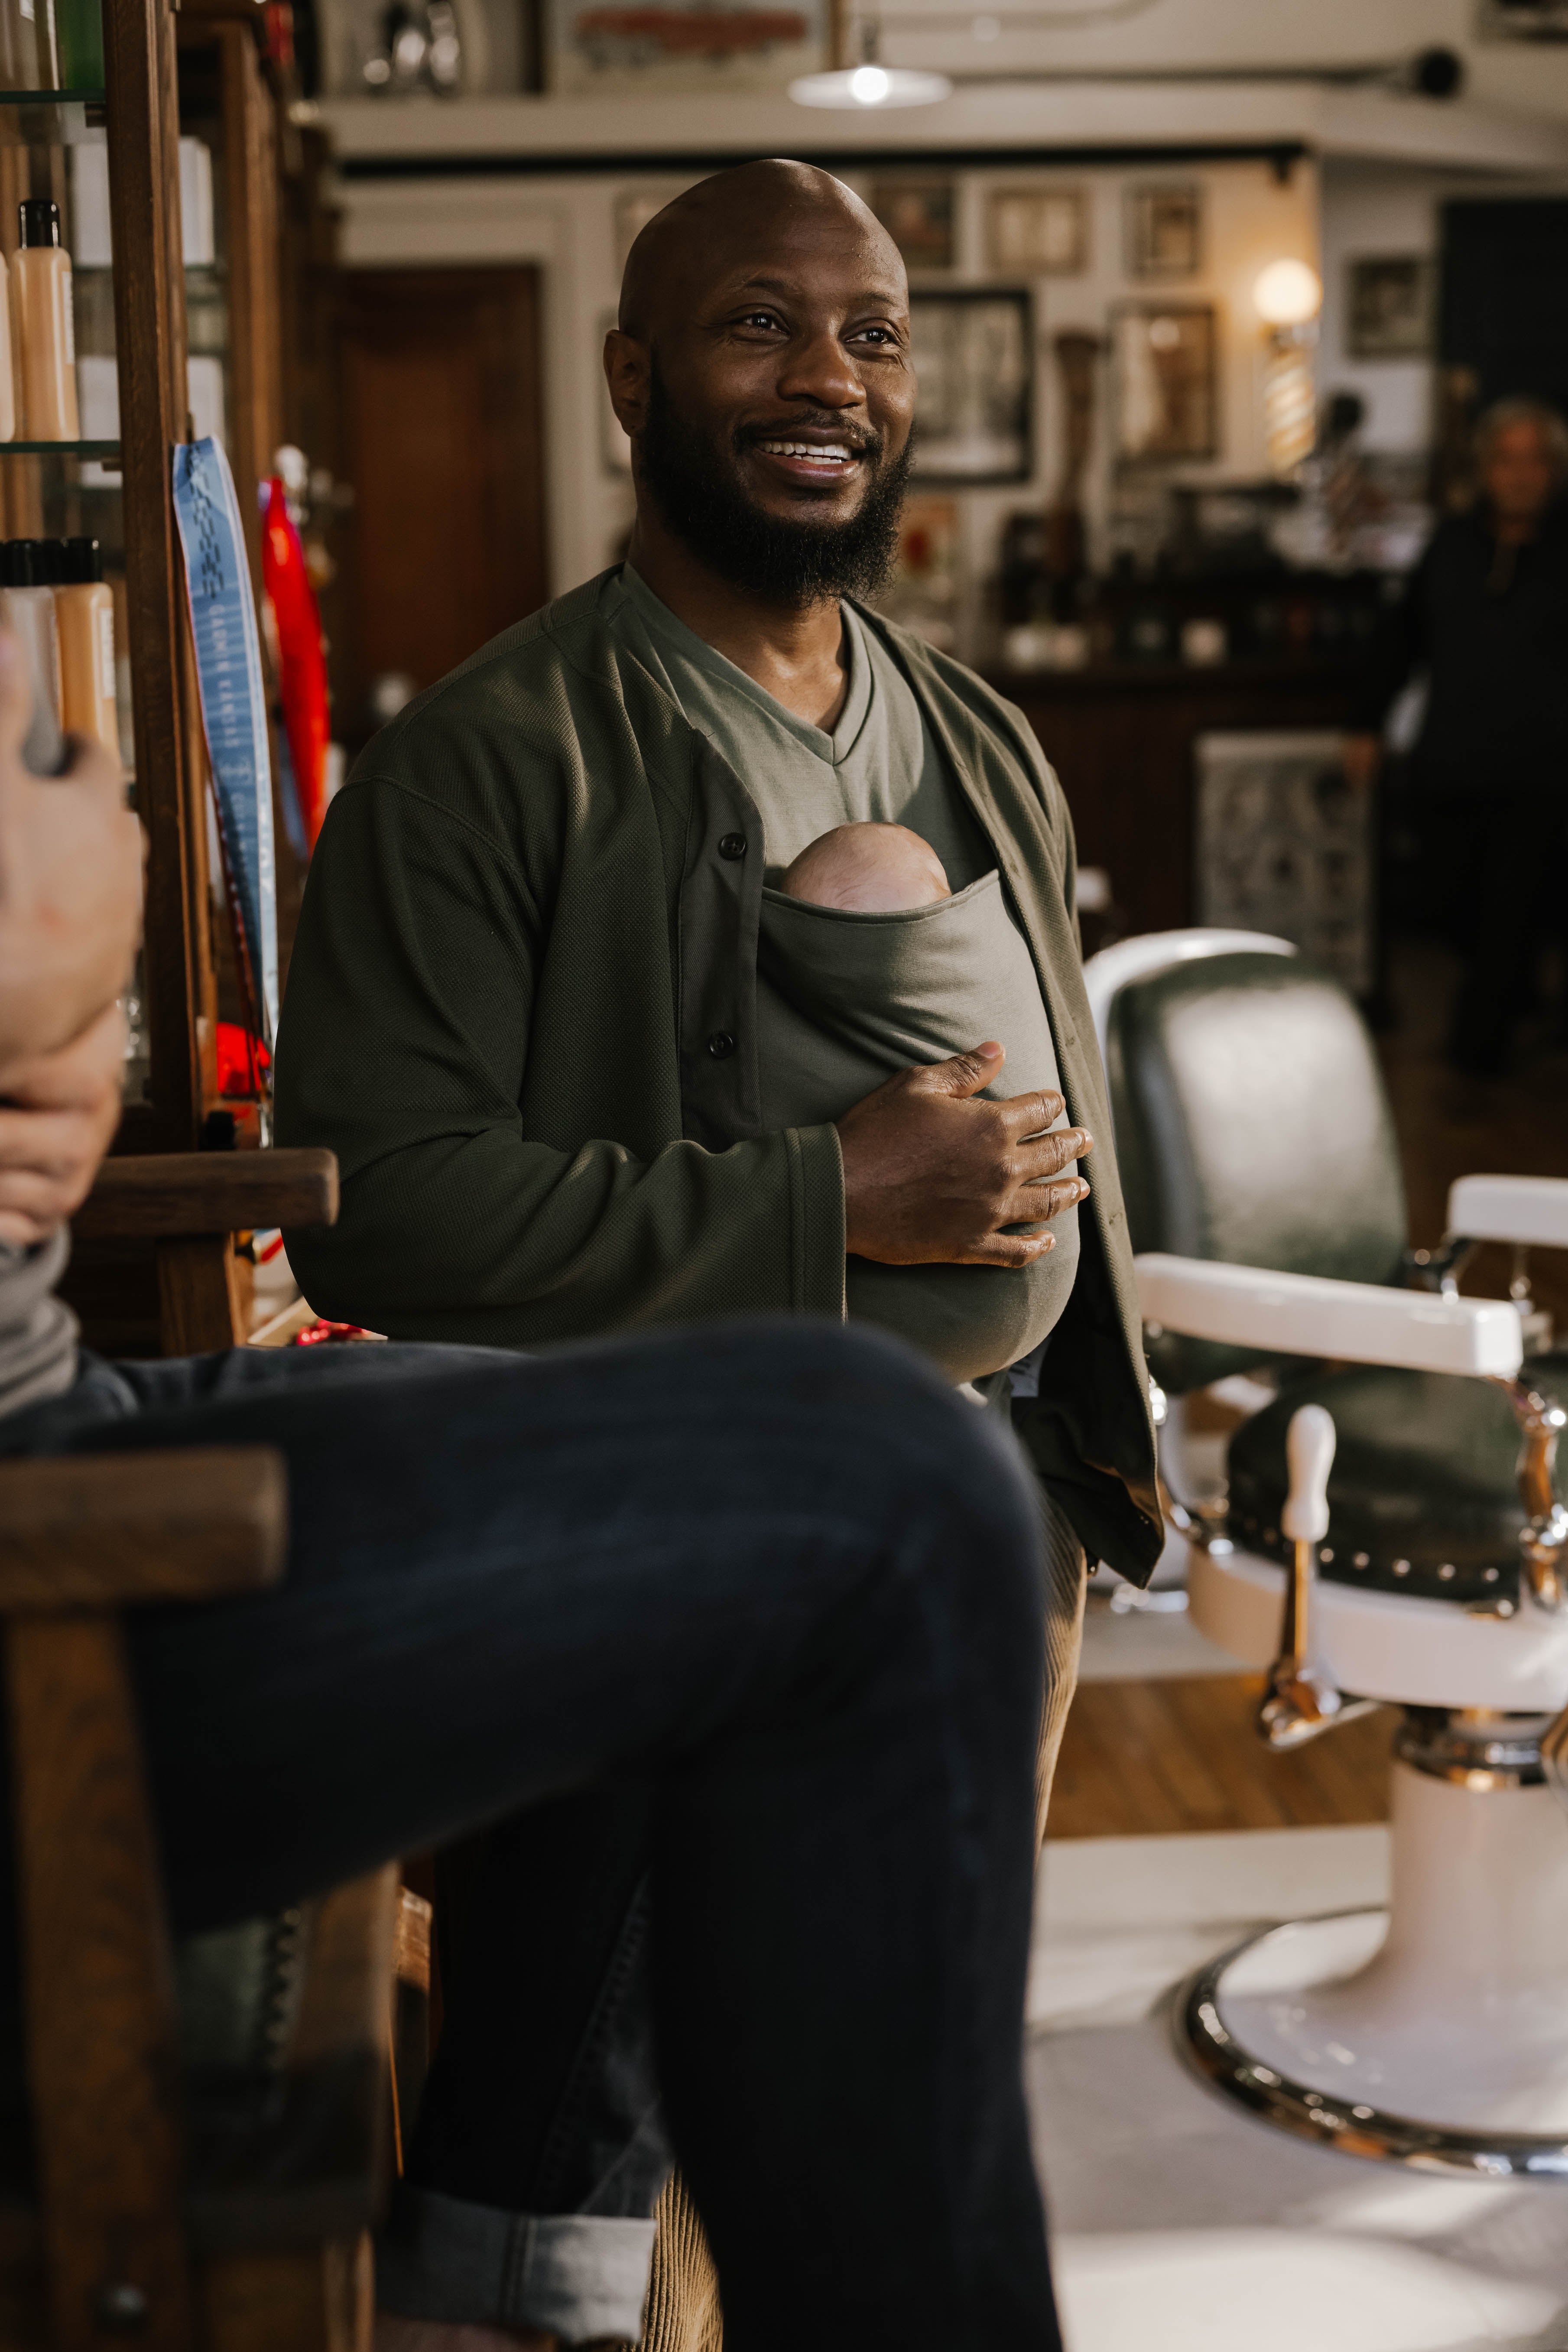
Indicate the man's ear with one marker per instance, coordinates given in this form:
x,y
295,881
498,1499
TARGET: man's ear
x,y
628,368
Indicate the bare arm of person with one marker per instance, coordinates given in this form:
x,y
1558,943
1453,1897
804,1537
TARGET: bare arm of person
x,y
70,886
931,1176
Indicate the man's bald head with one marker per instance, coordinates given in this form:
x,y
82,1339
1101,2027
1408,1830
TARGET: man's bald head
x,y
735,219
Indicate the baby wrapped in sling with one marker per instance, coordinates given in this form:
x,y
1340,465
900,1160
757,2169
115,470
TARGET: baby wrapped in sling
x,y
868,964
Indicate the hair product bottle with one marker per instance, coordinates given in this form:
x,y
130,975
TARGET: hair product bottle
x,y
79,25
7,369
43,326
84,621
28,604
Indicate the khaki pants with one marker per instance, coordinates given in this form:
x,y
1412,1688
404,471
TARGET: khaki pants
x,y
683,2313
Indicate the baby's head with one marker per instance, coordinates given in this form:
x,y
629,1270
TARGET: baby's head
x,y
867,869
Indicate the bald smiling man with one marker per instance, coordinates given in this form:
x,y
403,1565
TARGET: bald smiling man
x,y
525,1009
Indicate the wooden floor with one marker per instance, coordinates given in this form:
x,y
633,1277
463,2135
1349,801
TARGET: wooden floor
x,y
1146,1757
1140,1757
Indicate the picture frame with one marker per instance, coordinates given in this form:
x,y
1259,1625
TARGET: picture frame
x,y
922,218
596,48
1391,303
1165,230
1165,375
1037,232
974,356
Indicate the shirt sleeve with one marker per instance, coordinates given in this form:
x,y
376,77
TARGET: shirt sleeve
x,y
404,1048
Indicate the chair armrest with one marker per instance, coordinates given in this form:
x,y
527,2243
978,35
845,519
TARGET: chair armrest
x,y
1511,1209
101,1531
171,1195
1306,1315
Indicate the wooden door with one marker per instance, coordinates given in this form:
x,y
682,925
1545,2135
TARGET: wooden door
x,y
442,442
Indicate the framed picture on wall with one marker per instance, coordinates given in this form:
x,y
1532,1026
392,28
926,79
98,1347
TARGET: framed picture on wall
x,y
1166,383
1166,231
1037,232
920,216
1391,300
974,354
594,47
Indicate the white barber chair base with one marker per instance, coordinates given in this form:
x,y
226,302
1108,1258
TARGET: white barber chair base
x,y
1434,2034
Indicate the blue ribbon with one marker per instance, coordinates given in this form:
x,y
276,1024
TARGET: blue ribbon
x,y
234,700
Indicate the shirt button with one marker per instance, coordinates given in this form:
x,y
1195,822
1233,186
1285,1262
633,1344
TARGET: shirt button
x,y
732,844
720,1044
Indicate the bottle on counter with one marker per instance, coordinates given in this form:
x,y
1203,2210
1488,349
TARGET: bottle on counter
x,y
43,326
84,624
28,605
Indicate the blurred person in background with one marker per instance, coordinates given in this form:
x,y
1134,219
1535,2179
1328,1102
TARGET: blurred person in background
x,y
1485,617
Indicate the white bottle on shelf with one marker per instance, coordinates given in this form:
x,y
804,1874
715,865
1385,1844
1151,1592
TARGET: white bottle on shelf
x,y
43,326
28,605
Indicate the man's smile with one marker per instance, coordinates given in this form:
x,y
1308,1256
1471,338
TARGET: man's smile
x,y
808,456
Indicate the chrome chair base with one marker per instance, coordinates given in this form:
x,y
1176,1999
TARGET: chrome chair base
x,y
1215,2008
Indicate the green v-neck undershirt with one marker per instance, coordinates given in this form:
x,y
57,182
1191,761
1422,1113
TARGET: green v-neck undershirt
x,y
879,765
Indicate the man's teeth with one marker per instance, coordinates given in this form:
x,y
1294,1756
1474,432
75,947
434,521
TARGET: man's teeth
x,y
806,449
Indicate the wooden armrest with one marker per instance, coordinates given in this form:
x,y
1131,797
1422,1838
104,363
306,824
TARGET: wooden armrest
x,y
174,1194
99,1532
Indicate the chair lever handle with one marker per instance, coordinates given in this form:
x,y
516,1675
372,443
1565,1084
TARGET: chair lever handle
x,y
1543,1539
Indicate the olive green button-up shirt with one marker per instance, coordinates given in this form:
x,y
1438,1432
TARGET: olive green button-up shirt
x,y
522,1010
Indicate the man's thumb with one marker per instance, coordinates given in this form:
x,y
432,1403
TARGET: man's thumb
x,y
967,1073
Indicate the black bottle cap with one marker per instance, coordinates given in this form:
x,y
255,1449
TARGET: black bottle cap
x,y
40,219
79,559
23,564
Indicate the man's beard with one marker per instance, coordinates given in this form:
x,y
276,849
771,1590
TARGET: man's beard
x,y
788,562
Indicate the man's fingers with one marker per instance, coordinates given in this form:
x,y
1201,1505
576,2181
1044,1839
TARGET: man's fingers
x,y
965,1074
1008,1249
1031,1114
1045,1201
1046,1155
80,1075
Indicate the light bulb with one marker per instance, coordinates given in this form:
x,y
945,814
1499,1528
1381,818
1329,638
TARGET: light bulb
x,y
1287,293
871,85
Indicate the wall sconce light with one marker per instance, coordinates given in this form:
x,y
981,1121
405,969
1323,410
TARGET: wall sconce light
x,y
1287,296
870,83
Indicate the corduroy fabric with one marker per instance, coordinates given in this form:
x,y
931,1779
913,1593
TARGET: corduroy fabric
x,y
522,1010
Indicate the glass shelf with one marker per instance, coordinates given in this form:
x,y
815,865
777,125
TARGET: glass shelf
x,y
52,118
61,449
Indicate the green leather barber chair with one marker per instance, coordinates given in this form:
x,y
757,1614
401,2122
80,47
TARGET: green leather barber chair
x,y
1388,1534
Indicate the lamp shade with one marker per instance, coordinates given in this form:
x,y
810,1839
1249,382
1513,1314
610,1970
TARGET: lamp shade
x,y
870,85
1287,293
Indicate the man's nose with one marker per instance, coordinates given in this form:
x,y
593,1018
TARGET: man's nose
x,y
819,368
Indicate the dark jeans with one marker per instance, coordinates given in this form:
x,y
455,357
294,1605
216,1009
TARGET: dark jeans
x,y
1494,869
775,1590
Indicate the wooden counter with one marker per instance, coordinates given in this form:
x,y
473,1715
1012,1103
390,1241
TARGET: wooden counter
x,y
1121,739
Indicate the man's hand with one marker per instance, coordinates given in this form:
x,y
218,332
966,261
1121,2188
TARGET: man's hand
x,y
930,1177
57,1116
70,884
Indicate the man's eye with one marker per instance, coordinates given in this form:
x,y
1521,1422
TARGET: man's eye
x,y
759,319
876,334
